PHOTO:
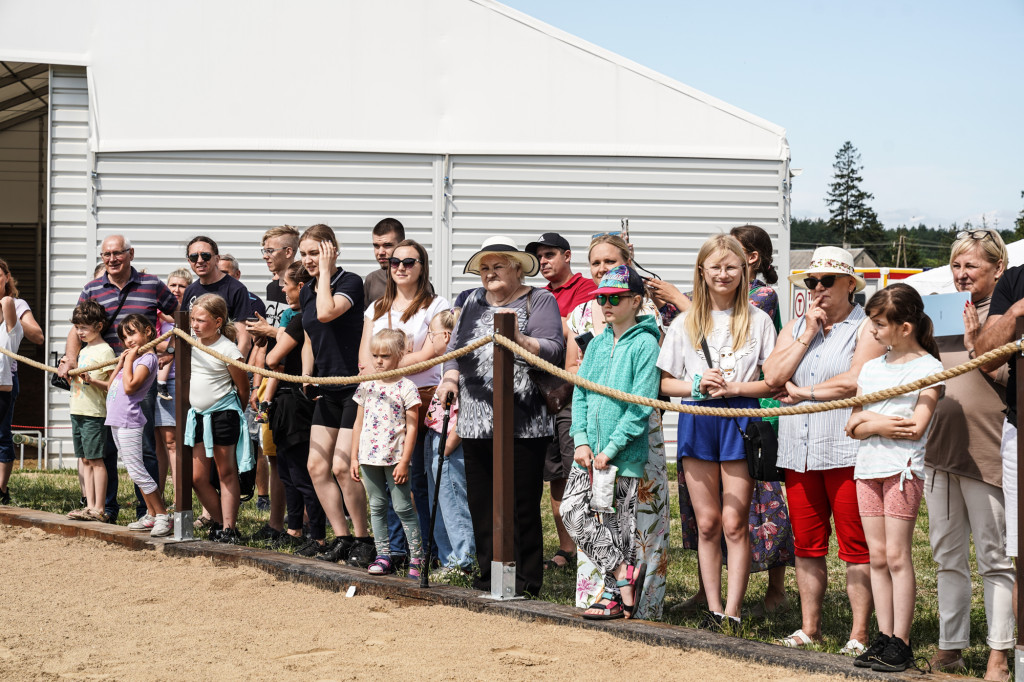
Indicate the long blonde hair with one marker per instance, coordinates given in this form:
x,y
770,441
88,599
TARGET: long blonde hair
x,y
698,322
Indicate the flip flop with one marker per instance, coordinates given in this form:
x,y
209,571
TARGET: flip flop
x,y
797,640
551,564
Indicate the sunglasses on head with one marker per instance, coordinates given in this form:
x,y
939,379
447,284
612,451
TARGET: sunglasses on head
x,y
827,281
975,234
613,299
205,255
407,262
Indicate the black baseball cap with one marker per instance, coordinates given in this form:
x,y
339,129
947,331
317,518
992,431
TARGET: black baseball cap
x,y
549,239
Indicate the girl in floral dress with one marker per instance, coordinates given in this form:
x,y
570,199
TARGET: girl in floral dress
x,y
652,513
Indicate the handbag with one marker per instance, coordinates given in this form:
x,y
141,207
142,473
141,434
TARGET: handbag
x,y
56,380
760,442
557,392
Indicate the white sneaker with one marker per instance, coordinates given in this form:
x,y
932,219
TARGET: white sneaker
x,y
145,523
162,526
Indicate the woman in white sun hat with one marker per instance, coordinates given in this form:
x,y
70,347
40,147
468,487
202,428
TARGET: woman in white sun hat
x,y
502,268
817,358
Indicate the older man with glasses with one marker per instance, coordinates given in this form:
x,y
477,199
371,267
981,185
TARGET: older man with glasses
x,y
122,290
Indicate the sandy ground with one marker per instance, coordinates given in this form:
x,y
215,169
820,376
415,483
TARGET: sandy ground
x,y
84,610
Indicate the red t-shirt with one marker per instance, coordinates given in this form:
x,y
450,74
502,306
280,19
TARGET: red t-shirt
x,y
577,290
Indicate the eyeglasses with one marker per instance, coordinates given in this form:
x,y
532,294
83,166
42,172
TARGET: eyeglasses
x,y
108,255
271,252
613,299
827,281
433,334
979,235
407,262
205,255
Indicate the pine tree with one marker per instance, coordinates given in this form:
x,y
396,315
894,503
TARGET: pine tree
x,y
1018,224
849,212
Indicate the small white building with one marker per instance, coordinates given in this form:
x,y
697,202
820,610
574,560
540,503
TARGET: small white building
x,y
461,118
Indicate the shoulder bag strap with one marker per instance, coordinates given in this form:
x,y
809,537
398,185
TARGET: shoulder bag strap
x,y
707,359
120,304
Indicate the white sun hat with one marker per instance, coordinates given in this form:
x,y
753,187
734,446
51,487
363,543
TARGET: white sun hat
x,y
506,247
829,260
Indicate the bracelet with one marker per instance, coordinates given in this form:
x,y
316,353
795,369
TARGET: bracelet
x,y
695,390
806,345
812,392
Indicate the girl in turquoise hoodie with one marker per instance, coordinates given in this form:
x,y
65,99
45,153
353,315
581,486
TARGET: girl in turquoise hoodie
x,y
624,357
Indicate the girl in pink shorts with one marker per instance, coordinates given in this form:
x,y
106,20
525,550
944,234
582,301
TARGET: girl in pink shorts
x,y
890,464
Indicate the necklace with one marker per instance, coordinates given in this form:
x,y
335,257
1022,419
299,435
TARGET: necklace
x,y
512,297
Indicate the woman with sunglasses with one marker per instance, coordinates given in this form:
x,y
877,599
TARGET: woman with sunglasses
x,y
818,357
409,304
609,432
652,514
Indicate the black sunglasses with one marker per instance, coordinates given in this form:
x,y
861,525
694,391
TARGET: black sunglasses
x,y
827,281
609,298
979,235
205,255
407,262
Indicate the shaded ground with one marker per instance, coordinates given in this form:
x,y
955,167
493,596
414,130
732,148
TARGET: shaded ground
x,y
83,609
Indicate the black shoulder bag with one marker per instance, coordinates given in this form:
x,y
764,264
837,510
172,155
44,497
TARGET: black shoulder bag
x,y
760,442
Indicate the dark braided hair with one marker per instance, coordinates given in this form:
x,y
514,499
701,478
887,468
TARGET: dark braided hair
x,y
756,240
899,303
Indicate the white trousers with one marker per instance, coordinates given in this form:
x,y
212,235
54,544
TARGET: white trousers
x,y
959,507
1008,449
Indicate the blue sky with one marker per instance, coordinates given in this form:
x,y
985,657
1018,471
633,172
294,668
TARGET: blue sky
x,y
931,93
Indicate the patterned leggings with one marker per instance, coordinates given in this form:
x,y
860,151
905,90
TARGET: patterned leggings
x,y
129,446
608,539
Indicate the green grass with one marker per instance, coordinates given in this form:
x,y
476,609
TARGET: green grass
x,y
57,491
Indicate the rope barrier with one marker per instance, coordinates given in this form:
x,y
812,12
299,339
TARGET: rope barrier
x,y
808,408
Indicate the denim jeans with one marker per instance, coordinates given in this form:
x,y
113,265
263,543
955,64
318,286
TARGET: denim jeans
x,y
453,528
6,419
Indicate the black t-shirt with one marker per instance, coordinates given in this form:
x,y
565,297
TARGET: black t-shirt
x,y
1009,289
276,303
293,361
257,305
336,343
228,288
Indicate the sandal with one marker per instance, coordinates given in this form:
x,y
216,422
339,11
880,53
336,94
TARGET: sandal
x,y
202,522
415,566
634,577
610,608
381,566
570,561
797,640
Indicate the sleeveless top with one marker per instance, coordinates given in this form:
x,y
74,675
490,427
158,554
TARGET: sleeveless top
x,y
816,442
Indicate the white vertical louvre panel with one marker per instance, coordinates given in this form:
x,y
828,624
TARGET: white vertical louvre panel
x,y
673,206
160,200
71,257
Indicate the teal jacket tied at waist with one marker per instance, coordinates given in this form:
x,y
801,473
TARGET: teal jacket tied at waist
x,y
243,451
618,429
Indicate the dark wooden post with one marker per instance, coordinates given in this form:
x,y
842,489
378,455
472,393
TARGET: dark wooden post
x,y
182,453
503,566
1018,358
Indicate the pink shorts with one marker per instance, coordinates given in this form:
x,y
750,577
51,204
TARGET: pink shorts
x,y
883,497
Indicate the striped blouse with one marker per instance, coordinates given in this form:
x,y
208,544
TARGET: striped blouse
x,y
815,442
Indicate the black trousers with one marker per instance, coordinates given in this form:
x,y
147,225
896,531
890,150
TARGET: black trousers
x,y
290,430
528,486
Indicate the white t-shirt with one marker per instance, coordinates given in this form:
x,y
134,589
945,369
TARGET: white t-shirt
x,y
211,379
10,340
416,328
679,358
879,457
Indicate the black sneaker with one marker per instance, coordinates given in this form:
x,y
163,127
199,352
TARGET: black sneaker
x,y
310,548
263,503
338,549
163,392
229,536
362,554
711,621
215,530
288,541
896,657
5,496
267,533
871,654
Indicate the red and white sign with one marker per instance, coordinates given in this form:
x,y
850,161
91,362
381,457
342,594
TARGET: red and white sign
x,y
799,303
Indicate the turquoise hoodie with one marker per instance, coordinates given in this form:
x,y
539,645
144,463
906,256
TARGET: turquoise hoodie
x,y
615,428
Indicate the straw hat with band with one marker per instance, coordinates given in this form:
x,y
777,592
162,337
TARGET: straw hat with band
x,y
505,247
829,260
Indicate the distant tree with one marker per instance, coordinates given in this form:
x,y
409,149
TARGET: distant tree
x,y
850,216
1018,224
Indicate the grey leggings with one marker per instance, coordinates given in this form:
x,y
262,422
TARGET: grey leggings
x,y
377,480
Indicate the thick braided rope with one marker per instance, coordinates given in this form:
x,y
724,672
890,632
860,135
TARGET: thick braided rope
x,y
809,408
336,381
80,370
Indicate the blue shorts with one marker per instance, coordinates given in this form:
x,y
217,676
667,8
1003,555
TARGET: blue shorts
x,y
713,439
164,415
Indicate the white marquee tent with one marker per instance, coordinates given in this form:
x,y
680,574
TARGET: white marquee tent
x,y
462,118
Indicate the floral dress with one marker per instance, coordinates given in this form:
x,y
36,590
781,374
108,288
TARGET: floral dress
x,y
771,533
652,513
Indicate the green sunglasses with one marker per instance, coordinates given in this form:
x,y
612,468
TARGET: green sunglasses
x,y
614,299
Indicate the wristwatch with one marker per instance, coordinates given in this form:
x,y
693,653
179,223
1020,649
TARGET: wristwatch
x,y
170,349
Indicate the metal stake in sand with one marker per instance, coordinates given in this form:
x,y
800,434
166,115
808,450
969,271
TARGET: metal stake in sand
x,y
429,549
503,565
182,453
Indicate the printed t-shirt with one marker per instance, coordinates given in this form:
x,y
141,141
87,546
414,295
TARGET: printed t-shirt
x,y
384,414
435,414
679,358
335,343
879,457
211,379
415,329
88,400
276,303
230,289
123,410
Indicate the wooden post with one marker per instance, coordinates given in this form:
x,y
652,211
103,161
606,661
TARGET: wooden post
x,y
182,453
503,566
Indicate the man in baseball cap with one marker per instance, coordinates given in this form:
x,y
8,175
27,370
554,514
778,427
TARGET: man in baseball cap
x,y
570,289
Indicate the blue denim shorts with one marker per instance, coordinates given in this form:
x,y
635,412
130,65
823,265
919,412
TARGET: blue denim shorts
x,y
714,439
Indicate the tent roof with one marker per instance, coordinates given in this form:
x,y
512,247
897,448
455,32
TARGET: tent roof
x,y
449,76
24,93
